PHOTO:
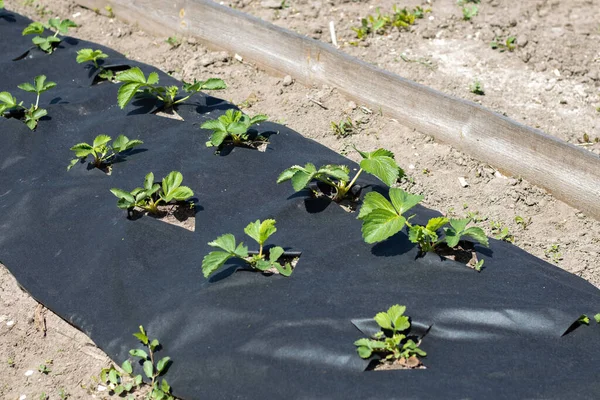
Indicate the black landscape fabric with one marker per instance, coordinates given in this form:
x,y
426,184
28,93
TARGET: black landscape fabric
x,y
497,334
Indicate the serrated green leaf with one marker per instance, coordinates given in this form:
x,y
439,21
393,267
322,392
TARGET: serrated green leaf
x,y
267,228
72,163
381,164
132,75
8,99
399,320
364,352
225,242
138,380
127,92
101,140
302,177
39,113
459,225
374,201
28,87
213,261
181,193
477,234
403,201
82,149
152,78
149,181
257,119
436,223
384,320
339,172
213,84
275,253
218,137
154,344
33,28
288,174
122,194
164,386
237,128
381,224
171,181
148,369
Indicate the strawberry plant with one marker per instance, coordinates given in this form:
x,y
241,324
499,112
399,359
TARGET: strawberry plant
x,y
232,126
378,24
123,383
509,44
428,239
260,232
48,44
85,55
33,114
150,196
101,151
136,83
404,18
392,342
380,163
383,218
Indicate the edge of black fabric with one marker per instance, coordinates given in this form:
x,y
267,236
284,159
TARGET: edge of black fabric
x,y
494,334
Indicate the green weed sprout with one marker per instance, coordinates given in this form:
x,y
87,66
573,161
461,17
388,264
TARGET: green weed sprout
x,y
391,342
344,128
509,44
152,194
135,82
378,24
34,113
49,43
469,12
1,4
477,88
232,125
260,232
380,163
101,151
122,384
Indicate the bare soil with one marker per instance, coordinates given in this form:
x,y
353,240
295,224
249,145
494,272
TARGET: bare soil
x,y
402,363
551,82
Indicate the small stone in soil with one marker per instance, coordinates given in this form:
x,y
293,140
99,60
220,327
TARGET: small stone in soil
x,y
287,81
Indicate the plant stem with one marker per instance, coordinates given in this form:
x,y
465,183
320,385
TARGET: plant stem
x,y
260,250
37,100
354,179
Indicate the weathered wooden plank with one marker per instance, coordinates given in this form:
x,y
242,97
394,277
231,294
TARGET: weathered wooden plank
x,y
568,172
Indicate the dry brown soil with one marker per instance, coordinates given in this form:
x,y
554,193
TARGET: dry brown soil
x,y
551,81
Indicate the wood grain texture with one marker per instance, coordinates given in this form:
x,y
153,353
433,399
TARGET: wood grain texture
x,y
570,173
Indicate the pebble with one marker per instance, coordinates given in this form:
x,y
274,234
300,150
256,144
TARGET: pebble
x,y
287,80
463,182
101,388
22,397
352,105
10,323
29,372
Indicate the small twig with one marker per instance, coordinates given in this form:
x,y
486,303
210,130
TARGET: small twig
x,y
318,103
583,144
333,37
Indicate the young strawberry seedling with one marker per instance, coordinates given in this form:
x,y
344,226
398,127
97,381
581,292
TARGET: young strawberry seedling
x,y
404,18
49,43
85,55
392,343
136,83
233,126
379,23
260,232
31,115
102,152
383,218
380,163
509,44
152,194
122,384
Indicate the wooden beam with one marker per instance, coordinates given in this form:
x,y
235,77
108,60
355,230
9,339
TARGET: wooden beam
x,y
568,172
